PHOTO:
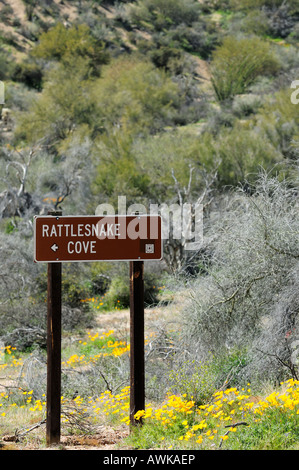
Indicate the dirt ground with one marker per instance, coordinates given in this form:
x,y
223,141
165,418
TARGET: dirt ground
x,y
106,438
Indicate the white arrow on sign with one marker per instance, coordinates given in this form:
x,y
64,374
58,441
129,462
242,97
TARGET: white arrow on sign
x,y
54,247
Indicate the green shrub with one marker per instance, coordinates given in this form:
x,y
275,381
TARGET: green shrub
x,y
201,38
136,96
279,120
241,152
254,22
6,14
195,379
118,294
28,73
237,63
62,44
245,105
159,15
248,5
276,429
228,368
6,65
62,105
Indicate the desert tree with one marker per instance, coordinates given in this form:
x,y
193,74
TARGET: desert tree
x,y
247,300
17,198
184,240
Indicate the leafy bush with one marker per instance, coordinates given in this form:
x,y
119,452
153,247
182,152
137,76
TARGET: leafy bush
x,y
252,22
279,120
245,105
241,152
250,4
195,379
201,38
28,73
237,63
181,28
62,105
118,294
262,17
6,13
159,15
134,95
63,44
6,65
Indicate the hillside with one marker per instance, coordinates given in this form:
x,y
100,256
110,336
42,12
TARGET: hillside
x,y
166,104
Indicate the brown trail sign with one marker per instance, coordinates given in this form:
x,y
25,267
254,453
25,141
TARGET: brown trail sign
x,y
58,239
97,238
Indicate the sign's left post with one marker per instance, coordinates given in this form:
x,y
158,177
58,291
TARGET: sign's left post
x,y
53,351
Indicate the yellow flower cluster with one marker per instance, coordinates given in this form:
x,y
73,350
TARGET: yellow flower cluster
x,y
190,424
109,348
226,407
38,405
110,404
287,400
97,302
117,348
12,362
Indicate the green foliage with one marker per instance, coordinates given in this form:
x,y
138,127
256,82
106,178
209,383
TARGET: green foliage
x,y
174,27
28,73
241,152
94,346
10,226
194,378
118,294
73,291
134,95
201,38
119,171
274,18
250,4
171,152
6,13
64,44
275,429
237,153
160,15
6,65
74,287
62,105
165,56
279,120
238,62
131,95
246,105
228,368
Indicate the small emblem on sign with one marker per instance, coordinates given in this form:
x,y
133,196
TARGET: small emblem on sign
x,y
54,247
149,248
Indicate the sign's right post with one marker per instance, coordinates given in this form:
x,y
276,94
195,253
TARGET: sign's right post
x,y
137,377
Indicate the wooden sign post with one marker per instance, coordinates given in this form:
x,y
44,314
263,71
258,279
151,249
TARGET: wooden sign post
x,y
58,239
53,352
137,380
